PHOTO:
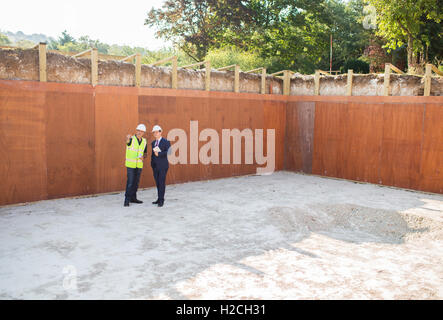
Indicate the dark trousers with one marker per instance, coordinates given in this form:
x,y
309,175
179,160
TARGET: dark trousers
x,y
160,181
132,183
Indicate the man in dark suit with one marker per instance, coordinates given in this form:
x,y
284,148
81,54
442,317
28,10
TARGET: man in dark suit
x,y
159,163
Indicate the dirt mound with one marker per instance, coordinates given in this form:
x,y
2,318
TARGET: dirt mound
x,y
353,223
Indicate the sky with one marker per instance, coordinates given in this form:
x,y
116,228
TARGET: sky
x,y
113,22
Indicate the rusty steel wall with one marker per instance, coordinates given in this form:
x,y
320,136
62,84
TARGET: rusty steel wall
x,y
212,110
62,140
70,158
394,141
23,143
116,115
431,164
299,135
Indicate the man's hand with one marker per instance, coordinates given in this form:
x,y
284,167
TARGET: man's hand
x,y
156,153
128,137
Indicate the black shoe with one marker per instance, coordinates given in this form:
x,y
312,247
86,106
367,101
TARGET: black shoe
x,y
136,201
126,203
155,202
160,204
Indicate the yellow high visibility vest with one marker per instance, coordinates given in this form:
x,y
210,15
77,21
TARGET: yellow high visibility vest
x,y
134,152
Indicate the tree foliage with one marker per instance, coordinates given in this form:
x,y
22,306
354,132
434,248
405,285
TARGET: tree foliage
x,y
4,40
290,34
415,24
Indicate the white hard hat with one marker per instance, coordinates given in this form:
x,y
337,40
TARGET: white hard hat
x,y
141,127
156,128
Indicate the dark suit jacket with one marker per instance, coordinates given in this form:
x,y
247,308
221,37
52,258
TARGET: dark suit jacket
x,y
160,162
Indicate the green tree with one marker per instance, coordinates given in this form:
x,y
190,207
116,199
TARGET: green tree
x,y
26,44
68,43
65,38
406,22
86,42
153,56
288,34
4,40
196,25
226,56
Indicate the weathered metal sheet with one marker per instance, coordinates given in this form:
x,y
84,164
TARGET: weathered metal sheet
x,y
401,144
22,143
431,166
67,139
299,141
116,115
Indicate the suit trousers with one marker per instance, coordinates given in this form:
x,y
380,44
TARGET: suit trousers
x,y
160,181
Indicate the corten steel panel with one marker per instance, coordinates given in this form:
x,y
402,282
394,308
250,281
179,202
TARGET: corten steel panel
x,y
431,168
214,113
116,115
44,118
299,142
401,144
22,143
154,110
363,135
275,118
367,99
235,114
329,138
70,143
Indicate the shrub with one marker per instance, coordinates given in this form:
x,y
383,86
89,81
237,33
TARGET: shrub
x,y
358,66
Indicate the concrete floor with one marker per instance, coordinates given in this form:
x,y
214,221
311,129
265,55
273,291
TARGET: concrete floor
x,y
283,236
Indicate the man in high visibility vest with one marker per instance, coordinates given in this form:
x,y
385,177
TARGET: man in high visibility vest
x,y
136,151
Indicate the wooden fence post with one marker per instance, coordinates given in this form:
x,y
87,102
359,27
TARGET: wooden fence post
x,y
174,73
349,86
138,69
428,79
263,78
263,81
237,78
94,67
317,83
387,79
208,75
286,82
42,61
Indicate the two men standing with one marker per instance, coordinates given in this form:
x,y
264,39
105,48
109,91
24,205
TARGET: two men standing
x,y
136,152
